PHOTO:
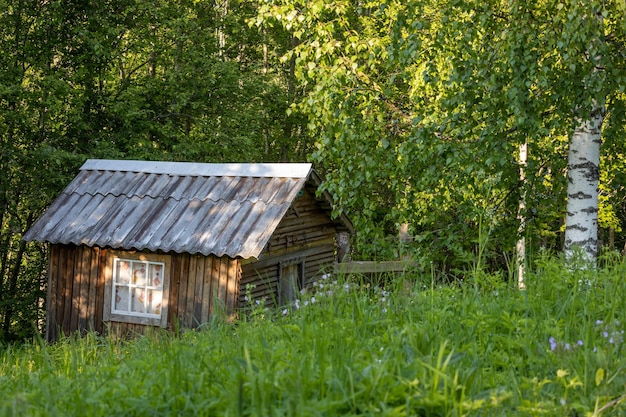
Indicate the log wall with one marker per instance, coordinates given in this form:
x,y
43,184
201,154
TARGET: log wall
x,y
307,233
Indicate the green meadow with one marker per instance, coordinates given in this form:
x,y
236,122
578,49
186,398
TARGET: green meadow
x,y
411,346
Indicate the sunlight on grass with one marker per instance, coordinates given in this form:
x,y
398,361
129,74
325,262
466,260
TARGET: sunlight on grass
x,y
353,347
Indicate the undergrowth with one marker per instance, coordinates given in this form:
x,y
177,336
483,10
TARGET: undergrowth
x,y
403,347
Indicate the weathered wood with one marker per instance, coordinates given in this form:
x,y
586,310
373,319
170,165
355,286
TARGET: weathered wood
x,y
274,258
85,278
206,289
198,273
108,290
343,247
173,313
232,286
76,278
263,282
296,240
80,290
191,288
372,267
68,269
215,272
100,255
222,282
91,296
305,233
182,290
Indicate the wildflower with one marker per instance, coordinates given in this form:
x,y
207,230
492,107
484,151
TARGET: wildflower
x,y
257,302
285,311
552,344
579,343
312,300
598,322
568,346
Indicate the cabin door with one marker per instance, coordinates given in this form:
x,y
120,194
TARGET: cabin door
x,y
291,281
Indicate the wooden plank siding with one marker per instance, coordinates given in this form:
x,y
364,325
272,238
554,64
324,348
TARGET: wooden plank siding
x,y
305,232
76,291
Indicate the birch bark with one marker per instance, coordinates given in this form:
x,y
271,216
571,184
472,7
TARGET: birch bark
x,y
581,223
521,217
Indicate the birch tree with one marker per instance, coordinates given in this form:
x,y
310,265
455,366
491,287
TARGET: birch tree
x,y
576,67
581,226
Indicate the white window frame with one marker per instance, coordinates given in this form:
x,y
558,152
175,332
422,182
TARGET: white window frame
x,y
114,260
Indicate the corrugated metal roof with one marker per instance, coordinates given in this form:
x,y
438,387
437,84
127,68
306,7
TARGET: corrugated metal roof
x,y
220,209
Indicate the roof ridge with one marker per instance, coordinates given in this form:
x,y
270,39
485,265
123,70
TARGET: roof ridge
x,y
196,169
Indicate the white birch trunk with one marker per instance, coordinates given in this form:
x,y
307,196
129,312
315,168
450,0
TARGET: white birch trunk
x,y
581,223
521,240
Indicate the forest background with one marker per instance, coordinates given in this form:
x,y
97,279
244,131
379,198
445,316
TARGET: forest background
x,y
414,112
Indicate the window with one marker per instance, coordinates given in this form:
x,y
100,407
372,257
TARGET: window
x,y
136,290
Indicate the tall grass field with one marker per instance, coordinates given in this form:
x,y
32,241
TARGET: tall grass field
x,y
353,347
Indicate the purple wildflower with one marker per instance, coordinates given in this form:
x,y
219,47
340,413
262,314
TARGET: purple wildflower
x,y
552,344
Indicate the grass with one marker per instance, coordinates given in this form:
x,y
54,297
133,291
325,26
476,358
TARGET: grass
x,y
412,347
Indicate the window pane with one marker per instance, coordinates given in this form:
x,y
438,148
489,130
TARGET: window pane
x,y
137,304
121,298
139,273
123,272
155,275
154,301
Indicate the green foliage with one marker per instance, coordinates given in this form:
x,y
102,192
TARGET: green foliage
x,y
349,348
419,108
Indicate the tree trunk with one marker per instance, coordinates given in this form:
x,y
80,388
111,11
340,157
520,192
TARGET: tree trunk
x,y
13,282
521,217
581,223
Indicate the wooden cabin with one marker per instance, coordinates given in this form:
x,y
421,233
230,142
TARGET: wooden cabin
x,y
139,244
